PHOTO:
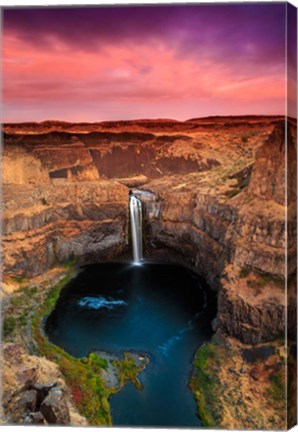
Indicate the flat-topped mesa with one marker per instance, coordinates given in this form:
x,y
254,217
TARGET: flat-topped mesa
x,y
47,158
92,155
147,148
158,125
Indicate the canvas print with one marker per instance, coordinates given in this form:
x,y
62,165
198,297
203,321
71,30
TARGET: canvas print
x,y
149,215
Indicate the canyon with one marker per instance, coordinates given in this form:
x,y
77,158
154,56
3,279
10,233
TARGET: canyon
x,y
213,194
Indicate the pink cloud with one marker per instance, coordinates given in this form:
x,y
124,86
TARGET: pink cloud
x,y
116,82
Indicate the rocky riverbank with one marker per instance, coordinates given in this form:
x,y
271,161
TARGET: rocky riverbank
x,y
41,383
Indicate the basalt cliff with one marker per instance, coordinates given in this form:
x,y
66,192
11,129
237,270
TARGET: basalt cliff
x,y
215,200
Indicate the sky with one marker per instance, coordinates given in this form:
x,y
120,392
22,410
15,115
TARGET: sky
x,y
111,63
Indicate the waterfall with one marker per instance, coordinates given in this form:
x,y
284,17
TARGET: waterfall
x,y
135,206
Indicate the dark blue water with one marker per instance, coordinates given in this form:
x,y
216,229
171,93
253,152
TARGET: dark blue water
x,y
159,309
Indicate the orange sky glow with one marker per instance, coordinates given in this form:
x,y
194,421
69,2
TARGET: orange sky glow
x,y
163,73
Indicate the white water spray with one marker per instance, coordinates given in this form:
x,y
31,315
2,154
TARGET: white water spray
x,y
135,207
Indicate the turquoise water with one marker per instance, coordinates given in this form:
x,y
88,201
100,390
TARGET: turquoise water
x,y
163,310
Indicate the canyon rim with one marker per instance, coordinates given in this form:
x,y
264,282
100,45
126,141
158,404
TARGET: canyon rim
x,y
149,232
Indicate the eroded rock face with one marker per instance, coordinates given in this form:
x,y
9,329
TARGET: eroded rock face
x,y
214,236
218,188
195,226
47,224
21,167
268,175
251,310
215,232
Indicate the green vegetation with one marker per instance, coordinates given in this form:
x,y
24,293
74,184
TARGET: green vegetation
x,y
29,306
28,291
268,278
9,325
264,280
19,280
17,301
277,390
23,318
83,376
16,314
222,388
69,264
96,361
254,283
128,370
245,137
245,271
203,383
232,192
259,279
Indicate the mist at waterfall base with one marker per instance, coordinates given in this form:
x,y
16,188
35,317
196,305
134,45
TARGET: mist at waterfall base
x,y
155,308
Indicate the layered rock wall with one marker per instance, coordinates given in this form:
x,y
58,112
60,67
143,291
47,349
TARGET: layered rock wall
x,y
49,224
219,188
222,236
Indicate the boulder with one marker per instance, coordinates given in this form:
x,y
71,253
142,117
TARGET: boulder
x,y
54,407
28,400
35,418
42,390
